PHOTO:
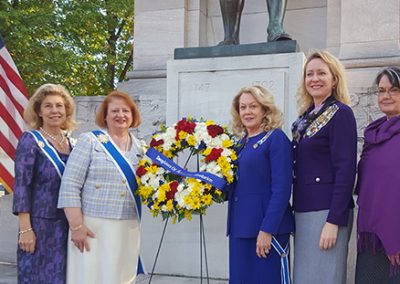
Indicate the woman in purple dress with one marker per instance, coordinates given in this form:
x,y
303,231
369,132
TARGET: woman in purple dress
x,y
378,226
40,157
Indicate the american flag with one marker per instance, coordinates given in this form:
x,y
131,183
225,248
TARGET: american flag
x,y
13,100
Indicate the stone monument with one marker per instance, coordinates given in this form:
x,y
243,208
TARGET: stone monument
x,y
364,43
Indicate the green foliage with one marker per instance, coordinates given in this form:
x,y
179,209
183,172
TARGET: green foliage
x,y
85,45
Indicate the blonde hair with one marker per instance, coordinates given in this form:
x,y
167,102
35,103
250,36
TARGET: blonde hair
x,y
273,117
340,91
31,113
102,111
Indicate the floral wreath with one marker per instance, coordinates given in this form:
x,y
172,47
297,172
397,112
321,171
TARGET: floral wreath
x,y
176,196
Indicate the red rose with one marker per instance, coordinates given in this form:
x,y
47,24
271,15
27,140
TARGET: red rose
x,y
141,171
155,143
214,155
174,188
214,130
186,126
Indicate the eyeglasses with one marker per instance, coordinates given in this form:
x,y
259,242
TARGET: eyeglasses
x,y
393,92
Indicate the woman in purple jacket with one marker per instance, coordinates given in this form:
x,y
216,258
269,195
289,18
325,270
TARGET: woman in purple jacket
x,y
40,157
325,154
378,188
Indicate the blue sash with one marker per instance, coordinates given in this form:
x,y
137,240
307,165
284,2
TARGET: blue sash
x,y
49,151
126,170
174,168
122,164
284,253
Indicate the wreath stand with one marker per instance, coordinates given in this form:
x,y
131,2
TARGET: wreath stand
x,y
202,236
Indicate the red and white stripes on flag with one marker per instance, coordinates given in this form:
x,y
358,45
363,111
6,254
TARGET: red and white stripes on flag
x,y
13,100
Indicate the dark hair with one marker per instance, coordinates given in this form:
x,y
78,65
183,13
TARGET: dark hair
x,y
393,74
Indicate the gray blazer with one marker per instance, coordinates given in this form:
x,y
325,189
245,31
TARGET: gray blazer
x,y
92,182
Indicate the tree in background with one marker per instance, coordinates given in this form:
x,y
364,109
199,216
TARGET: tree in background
x,y
85,45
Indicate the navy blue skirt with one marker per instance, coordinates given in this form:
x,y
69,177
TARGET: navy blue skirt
x,y
245,267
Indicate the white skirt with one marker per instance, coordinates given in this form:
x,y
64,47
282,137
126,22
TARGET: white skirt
x,y
113,255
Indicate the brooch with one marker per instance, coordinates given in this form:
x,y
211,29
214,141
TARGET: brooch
x,y
103,138
321,120
262,140
40,144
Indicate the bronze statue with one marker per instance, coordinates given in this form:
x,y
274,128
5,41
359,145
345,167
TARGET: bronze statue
x,y
231,14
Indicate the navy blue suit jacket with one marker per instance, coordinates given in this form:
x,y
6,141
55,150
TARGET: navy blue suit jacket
x,y
259,199
325,168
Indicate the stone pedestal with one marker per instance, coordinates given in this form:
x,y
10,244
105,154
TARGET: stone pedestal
x,y
8,231
205,87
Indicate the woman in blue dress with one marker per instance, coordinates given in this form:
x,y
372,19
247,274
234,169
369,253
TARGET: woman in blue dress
x,y
260,217
40,157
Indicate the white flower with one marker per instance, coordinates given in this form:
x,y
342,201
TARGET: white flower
x,y
154,182
184,189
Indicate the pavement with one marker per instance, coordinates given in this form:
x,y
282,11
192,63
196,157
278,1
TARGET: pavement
x,y
8,275
8,268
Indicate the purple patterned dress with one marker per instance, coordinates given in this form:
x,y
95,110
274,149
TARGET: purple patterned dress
x,y
36,188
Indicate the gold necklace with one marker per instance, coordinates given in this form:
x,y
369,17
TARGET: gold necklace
x,y
60,143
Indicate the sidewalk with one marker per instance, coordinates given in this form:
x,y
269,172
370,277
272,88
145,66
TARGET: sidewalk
x,y
8,275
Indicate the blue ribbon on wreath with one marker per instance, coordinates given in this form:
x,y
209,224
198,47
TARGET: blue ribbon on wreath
x,y
174,168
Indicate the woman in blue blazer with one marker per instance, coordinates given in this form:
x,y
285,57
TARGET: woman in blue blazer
x,y
260,218
325,154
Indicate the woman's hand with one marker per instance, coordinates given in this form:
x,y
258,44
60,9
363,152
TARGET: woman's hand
x,y
79,232
395,259
328,236
263,245
80,238
27,241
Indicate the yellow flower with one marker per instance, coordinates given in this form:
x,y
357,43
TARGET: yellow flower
x,y
233,156
161,196
164,187
196,204
227,143
145,191
155,206
188,215
168,154
187,200
191,140
207,199
196,190
170,205
207,151
143,162
210,122
152,169
195,185
218,192
182,135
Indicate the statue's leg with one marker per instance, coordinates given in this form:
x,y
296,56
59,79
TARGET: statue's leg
x,y
276,11
231,14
